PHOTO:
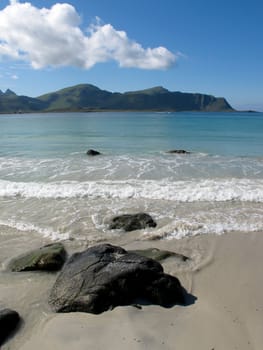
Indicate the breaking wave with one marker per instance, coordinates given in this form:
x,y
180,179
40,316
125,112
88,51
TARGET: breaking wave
x,y
216,190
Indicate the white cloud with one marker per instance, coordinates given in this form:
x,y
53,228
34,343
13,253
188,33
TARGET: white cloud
x,y
53,37
8,74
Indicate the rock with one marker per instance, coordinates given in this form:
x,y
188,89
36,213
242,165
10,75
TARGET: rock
x,y
178,151
50,257
159,255
92,152
131,222
106,276
9,320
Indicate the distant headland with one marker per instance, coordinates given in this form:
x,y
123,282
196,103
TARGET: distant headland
x,y
87,97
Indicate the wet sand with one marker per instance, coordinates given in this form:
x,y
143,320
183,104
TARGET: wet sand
x,y
224,274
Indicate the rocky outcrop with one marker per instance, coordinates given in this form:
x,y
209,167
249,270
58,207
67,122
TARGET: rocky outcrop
x,y
106,276
50,257
131,222
9,320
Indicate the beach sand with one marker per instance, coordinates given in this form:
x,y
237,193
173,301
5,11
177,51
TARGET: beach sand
x,y
225,277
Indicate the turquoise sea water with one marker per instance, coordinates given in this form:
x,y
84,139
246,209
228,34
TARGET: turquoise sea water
x,y
41,135
49,186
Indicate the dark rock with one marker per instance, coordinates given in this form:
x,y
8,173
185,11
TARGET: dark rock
x,y
9,320
178,151
51,257
131,222
165,290
159,255
106,276
92,152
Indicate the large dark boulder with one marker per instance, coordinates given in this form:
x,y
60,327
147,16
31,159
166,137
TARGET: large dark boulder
x,y
9,320
106,276
50,257
131,222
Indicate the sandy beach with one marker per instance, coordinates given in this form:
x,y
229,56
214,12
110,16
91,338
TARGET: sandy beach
x,y
227,313
130,126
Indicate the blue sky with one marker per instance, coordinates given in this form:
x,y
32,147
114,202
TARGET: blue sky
x,y
212,47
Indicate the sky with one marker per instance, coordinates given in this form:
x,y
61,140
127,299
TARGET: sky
x,y
206,46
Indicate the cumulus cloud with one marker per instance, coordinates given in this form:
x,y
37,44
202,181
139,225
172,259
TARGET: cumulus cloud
x,y
53,37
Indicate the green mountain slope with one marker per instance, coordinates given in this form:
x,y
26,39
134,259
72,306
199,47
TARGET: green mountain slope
x,y
11,103
76,97
86,97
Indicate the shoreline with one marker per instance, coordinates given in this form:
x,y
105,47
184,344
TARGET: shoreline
x,y
227,314
97,110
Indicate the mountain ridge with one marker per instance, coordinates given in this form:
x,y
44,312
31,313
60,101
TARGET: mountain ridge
x,y
88,97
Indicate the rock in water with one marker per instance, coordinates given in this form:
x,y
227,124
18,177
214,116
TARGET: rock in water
x,y
106,276
92,152
9,319
178,151
50,257
131,222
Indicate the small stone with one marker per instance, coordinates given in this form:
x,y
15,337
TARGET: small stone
x,y
131,222
92,152
9,320
178,151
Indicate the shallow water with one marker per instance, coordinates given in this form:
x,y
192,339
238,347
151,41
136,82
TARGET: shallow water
x,y
49,187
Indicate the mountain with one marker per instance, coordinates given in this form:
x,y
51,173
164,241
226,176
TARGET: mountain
x,y
79,97
12,103
159,98
87,97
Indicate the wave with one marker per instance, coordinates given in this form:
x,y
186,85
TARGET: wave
x,y
126,167
182,228
211,190
29,227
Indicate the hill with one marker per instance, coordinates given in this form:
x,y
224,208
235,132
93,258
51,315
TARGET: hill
x,y
87,97
12,103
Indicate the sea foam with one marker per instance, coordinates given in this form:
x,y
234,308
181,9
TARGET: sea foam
x,y
216,190
29,227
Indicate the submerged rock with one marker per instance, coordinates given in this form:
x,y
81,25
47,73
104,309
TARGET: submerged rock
x,y
159,255
131,222
9,320
178,151
106,276
50,257
92,152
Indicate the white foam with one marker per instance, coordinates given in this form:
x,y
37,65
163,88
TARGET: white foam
x,y
212,190
182,228
27,227
217,228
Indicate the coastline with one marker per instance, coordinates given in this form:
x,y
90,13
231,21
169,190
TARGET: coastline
x,y
228,312
108,110
51,190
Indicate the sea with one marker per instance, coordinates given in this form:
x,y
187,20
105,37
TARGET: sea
x,y
52,190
